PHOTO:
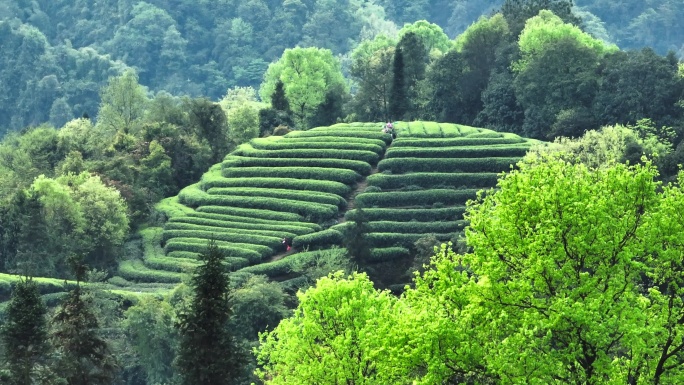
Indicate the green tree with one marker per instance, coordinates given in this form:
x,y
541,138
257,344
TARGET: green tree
x,y
308,74
278,100
207,351
24,332
83,356
431,35
517,12
415,60
398,102
355,239
332,338
209,121
371,68
122,105
150,326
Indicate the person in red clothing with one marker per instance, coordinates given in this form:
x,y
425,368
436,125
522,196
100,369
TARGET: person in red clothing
x,y
286,243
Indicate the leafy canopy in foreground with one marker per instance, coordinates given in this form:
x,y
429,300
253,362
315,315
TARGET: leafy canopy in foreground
x,y
575,277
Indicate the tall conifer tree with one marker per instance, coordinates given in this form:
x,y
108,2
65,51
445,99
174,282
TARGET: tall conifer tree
x,y
208,353
24,333
398,102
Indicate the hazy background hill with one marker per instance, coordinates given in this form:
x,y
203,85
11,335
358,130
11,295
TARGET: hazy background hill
x,y
57,53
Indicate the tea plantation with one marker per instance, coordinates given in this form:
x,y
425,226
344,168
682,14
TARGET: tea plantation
x,y
307,186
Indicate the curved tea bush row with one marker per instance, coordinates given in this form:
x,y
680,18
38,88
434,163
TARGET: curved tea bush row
x,y
253,239
382,240
248,233
360,167
335,174
462,141
309,145
331,187
264,215
458,152
137,271
486,134
281,267
171,207
203,242
428,179
387,254
334,139
416,198
404,165
308,196
318,240
416,227
365,156
406,215
292,227
343,133
315,211
200,245
178,265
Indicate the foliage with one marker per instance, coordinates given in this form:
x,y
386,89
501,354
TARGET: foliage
x,y
24,332
207,352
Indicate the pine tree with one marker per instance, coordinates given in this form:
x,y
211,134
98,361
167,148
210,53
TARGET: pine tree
x,y
278,100
24,333
83,357
355,239
208,354
398,102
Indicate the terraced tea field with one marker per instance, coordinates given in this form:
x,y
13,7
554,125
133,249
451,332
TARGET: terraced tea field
x,y
304,187
307,186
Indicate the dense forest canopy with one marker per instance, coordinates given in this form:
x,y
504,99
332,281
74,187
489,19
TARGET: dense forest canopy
x,y
59,53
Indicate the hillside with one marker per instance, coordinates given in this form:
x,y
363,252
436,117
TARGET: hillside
x,y
307,186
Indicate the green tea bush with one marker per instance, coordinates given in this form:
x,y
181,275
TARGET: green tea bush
x,y
281,267
382,240
388,254
459,152
334,139
364,156
268,215
404,165
271,241
306,196
333,174
309,145
416,198
416,227
486,134
317,240
344,133
178,265
417,130
336,188
405,215
196,246
360,167
228,230
453,142
432,129
431,180
171,207
135,270
297,228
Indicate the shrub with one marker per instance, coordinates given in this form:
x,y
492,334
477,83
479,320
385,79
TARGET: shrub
x,y
246,223
459,152
336,188
365,156
271,241
307,196
178,265
267,215
263,144
453,142
388,254
171,207
227,230
344,133
382,240
334,139
416,227
318,240
281,131
416,198
360,167
135,270
431,180
422,215
333,174
403,165
234,250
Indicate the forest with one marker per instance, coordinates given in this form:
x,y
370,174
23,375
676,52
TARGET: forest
x,y
203,192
